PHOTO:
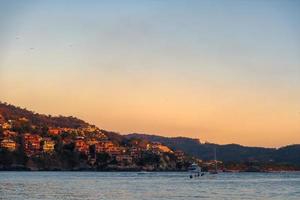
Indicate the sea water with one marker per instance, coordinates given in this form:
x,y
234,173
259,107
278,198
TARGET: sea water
x,y
148,186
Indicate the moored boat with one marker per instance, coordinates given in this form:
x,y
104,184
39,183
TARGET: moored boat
x,y
215,171
194,168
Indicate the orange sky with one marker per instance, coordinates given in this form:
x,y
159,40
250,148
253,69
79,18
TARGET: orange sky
x,y
249,116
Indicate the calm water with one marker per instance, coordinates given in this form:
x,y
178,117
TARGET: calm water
x,y
163,185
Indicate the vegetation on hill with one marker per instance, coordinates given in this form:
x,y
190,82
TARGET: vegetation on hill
x,y
228,153
11,112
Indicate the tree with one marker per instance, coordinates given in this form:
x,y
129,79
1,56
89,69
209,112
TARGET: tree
x,y
68,157
6,158
149,158
102,160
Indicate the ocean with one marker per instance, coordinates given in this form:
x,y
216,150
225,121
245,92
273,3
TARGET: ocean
x,y
148,186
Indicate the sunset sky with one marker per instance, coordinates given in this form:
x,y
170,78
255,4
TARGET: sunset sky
x,y
221,71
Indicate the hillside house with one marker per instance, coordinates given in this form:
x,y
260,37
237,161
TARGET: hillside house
x,y
48,145
179,155
9,134
8,144
102,136
6,126
107,147
135,152
54,131
32,144
92,141
124,159
159,148
81,146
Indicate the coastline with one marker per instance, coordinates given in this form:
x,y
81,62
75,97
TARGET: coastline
x,y
136,170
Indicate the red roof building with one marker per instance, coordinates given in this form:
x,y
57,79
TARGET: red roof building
x,y
54,131
32,144
81,146
107,147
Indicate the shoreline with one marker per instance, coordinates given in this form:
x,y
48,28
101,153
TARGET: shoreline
x,y
157,171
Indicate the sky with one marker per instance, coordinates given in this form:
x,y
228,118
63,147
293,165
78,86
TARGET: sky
x,y
221,71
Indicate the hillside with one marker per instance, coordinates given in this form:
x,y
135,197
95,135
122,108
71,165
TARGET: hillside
x,y
227,153
12,112
32,141
185,144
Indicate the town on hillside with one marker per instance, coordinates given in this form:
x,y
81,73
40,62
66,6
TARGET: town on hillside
x,y
25,145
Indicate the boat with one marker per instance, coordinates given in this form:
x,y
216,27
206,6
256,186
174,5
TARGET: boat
x,y
194,168
215,171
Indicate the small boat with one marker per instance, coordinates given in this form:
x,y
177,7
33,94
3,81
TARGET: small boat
x,y
216,164
194,168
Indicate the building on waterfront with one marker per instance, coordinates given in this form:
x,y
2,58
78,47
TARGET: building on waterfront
x,y
8,144
124,159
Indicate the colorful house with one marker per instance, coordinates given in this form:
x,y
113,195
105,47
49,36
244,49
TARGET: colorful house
x,y
6,126
32,144
48,145
54,131
8,144
81,146
9,134
107,147
160,148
